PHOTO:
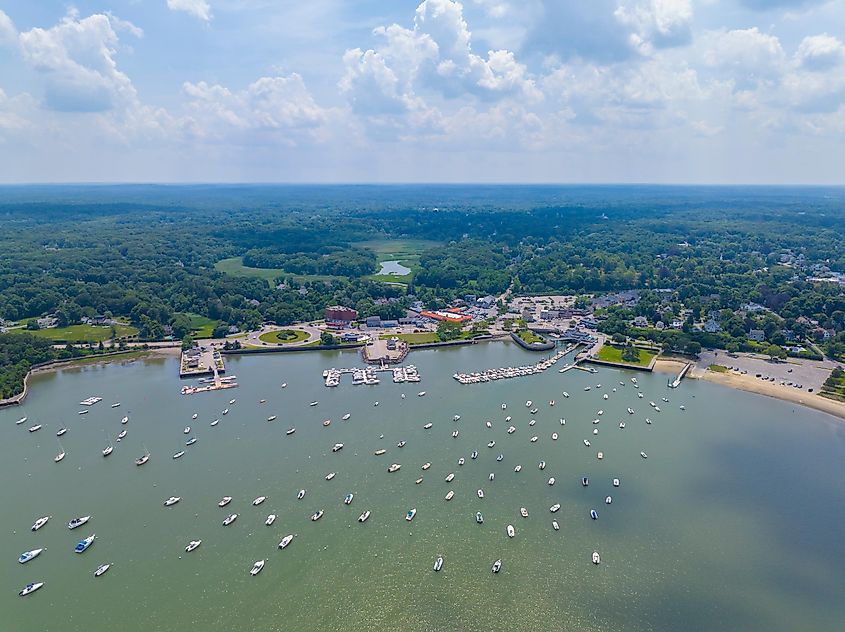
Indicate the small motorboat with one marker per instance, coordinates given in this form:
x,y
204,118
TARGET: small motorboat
x,y
566,395
456,418
532,422
461,461
616,482
551,481
479,518
77,522
511,430
29,555
224,501
596,557
394,467
231,401
665,399
528,403
504,406
230,519
438,563
225,411
364,516
554,508
39,523
262,401
380,451
500,457
511,531
327,423
195,415
258,501
59,456
142,459
314,403
61,431
450,477
316,515
286,540
270,519
101,569
187,430
192,545
83,544
648,421
421,394
608,500
410,515
594,514
401,444
490,444
37,427
82,412
523,512
534,411
455,434
418,481
587,442
492,476
562,421
682,407
644,455
271,418
595,431
301,494
497,566
534,439
256,568
179,454
191,441
551,402
630,411
554,436
20,421
555,525
337,447
542,465
450,495
122,434
30,588
517,468
474,455
115,405
480,493
347,500
330,475
622,425
290,431
488,424
600,455
585,481
125,420
427,426
172,501
425,466
346,417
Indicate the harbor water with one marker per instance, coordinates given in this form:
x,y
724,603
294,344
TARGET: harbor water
x,y
733,522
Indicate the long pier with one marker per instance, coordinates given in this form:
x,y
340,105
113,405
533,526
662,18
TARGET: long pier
x,y
677,381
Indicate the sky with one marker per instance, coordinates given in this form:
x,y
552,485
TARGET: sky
x,y
488,91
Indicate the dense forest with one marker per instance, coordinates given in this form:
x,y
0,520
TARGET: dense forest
x,y
148,254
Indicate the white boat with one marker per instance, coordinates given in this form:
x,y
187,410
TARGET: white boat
x,y
596,557
421,394
497,566
301,494
425,466
61,431
587,442
450,495
630,411
337,447
551,480
541,465
191,441
125,420
271,418
456,417
347,500
594,514
534,439
179,454
82,412
20,421
230,519
142,459
562,421
330,475
394,467
59,456
528,403
616,482
555,525
511,430
450,477
504,406
565,394
187,430
644,455
316,515
608,500
665,399
35,428
595,431
39,523
488,424
215,422
290,431
29,555
262,401
401,444
122,434
346,417
418,481
225,411
364,516
101,569
523,512
314,403
286,540
85,543
455,434
410,515
172,501
192,545
256,568
511,531
438,563
380,451
648,421
622,425
600,455
554,436
555,508
30,588
551,402
682,407
231,401
461,461
604,396
479,518
115,405
427,426
473,455
194,416
518,468
78,522
224,501
480,493
491,444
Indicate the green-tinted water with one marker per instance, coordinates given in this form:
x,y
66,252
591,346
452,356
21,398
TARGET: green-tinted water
x,y
734,522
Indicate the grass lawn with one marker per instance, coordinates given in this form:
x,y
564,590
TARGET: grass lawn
x,y
718,368
414,339
283,336
610,353
201,326
235,266
529,336
80,333
834,386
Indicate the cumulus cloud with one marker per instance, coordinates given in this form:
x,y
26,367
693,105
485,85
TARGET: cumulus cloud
x,y
769,5
820,52
200,9
746,55
8,32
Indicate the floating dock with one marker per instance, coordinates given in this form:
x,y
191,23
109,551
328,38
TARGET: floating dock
x,y
504,373
369,376
218,384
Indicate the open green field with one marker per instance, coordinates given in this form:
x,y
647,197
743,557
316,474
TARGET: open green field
x,y
529,336
201,326
80,333
834,386
235,266
283,336
414,339
405,251
718,368
609,353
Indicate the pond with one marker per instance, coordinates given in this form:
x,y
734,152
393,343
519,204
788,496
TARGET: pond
x,y
394,268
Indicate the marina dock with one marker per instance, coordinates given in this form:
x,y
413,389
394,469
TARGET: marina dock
x,y
503,373
216,383
369,376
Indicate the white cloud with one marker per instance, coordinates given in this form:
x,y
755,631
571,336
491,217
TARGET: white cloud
x,y
820,52
8,32
200,9
495,8
747,55
656,22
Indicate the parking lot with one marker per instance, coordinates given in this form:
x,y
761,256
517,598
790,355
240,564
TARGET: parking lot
x,y
810,374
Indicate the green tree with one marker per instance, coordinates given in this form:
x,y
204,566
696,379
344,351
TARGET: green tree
x,y
187,342
326,338
447,330
631,353
32,324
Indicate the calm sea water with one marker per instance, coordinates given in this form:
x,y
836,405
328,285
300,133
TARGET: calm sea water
x,y
734,522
